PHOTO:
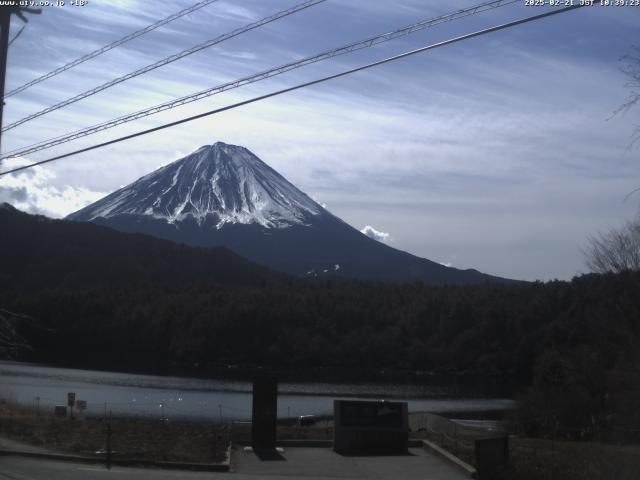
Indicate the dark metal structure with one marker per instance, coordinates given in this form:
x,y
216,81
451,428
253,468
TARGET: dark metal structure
x,y
5,25
265,413
370,427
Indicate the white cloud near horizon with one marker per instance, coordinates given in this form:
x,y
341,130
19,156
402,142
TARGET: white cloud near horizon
x,y
371,232
31,191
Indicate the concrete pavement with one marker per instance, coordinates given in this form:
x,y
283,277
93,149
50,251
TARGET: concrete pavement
x,y
23,468
324,463
16,446
308,463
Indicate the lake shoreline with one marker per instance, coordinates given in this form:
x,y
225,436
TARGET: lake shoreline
x,y
456,384
148,396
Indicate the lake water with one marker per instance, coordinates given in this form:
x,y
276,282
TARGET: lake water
x,y
196,398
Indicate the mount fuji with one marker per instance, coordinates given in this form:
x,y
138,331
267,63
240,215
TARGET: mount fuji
x,y
223,195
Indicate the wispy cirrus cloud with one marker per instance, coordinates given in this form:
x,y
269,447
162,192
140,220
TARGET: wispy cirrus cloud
x,y
497,148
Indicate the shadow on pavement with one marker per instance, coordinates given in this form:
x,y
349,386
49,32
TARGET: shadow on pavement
x,y
376,454
269,456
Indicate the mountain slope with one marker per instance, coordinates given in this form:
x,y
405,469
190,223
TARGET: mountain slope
x,y
224,195
219,184
38,252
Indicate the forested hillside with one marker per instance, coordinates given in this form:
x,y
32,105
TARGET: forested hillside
x,y
38,252
146,304
488,329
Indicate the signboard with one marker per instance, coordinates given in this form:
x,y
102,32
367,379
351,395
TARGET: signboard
x,y
71,399
81,404
370,427
60,411
372,414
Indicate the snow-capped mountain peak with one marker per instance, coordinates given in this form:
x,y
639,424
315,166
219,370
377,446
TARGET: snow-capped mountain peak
x,y
219,183
223,195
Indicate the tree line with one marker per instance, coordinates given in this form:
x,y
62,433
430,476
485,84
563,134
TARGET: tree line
x,y
574,340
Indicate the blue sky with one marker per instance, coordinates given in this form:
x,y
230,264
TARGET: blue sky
x,y
498,153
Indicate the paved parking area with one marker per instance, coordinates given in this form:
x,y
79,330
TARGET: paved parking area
x,y
324,463
307,463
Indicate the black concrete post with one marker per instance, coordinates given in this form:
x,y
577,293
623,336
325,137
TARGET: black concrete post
x,y
265,413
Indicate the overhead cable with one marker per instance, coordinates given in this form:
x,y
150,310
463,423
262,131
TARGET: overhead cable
x,y
15,37
168,60
351,47
111,46
302,85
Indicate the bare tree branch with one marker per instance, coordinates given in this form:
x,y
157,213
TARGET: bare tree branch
x,y
11,342
631,68
615,251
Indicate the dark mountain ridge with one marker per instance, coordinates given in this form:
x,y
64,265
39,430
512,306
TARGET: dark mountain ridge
x,y
38,252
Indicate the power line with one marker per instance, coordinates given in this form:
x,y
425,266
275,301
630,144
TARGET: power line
x,y
111,46
168,60
15,37
6,12
351,47
303,85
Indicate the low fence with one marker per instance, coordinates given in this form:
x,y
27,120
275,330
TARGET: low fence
x,y
448,435
560,459
149,435
171,409
155,433
139,430
551,458
451,436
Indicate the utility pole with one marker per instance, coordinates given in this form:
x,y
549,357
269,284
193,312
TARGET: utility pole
x,y
5,24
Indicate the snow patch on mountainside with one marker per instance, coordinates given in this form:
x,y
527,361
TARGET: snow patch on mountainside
x,y
225,184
